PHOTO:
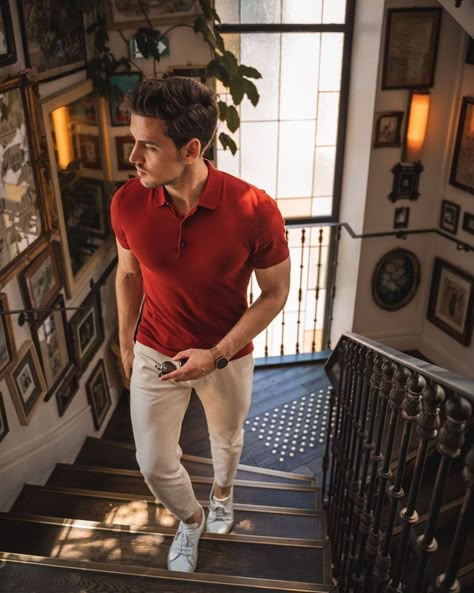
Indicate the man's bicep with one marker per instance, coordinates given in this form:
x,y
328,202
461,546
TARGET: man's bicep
x,y
275,278
127,262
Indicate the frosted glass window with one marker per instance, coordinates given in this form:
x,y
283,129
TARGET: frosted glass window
x,y
228,162
295,207
262,51
328,111
259,142
334,11
331,62
324,163
302,11
295,159
299,75
228,10
263,11
322,207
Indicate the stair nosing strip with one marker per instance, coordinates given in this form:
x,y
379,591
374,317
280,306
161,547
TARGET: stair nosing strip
x,y
197,479
207,461
159,573
152,499
166,532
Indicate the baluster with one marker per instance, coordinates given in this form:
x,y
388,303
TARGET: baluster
x,y
329,436
450,443
300,291
331,286
373,539
319,267
447,582
428,425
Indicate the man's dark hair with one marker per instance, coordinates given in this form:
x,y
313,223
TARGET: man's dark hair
x,y
187,108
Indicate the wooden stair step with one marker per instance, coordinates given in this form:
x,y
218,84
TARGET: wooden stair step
x,y
63,538
25,574
96,506
108,453
131,482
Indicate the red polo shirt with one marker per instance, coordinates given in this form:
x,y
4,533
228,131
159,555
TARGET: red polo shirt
x,y
196,269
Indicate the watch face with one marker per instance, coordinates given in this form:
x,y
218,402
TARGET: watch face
x,y
221,362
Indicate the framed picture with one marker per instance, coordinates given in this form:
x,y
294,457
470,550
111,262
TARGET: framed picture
x,y
89,209
400,219
124,146
3,420
462,169
411,44
161,47
40,281
87,329
26,382
449,218
89,150
7,338
395,279
53,46
451,302
468,223
388,126
196,72
7,39
53,344
124,83
66,392
470,51
129,13
405,182
23,202
98,394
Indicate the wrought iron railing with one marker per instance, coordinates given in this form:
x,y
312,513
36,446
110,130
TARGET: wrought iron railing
x,y
402,435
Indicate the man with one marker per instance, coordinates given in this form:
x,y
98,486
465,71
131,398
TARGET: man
x,y
188,239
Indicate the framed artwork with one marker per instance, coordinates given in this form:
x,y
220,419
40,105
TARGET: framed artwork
x,y
388,125
462,168
470,51
87,329
400,219
405,182
411,44
53,37
40,281
23,204
3,420
7,338
451,302
395,279
66,392
26,382
449,218
98,394
468,223
196,72
89,151
7,39
89,209
123,147
129,14
53,344
161,45
124,83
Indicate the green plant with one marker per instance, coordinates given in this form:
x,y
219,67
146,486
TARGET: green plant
x,y
224,66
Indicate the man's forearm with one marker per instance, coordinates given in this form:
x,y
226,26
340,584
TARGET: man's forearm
x,y
129,291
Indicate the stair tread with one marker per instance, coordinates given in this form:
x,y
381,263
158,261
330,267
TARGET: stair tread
x,y
217,555
110,453
135,513
131,482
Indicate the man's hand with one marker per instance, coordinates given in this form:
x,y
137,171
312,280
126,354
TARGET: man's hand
x,y
127,357
199,363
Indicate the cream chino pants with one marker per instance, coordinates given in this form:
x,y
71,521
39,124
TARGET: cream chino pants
x,y
157,412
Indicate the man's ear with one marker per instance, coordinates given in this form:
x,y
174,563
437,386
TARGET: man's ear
x,y
192,149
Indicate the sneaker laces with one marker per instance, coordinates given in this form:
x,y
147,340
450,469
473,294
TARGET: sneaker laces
x,y
218,509
184,542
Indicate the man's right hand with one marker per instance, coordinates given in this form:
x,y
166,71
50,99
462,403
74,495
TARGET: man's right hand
x,y
127,360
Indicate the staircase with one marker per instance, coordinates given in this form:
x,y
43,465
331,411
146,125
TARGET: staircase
x,y
94,527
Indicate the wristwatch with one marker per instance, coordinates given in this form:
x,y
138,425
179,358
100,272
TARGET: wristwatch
x,y
219,359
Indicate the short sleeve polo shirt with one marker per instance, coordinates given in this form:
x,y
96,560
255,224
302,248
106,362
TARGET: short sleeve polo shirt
x,y
196,269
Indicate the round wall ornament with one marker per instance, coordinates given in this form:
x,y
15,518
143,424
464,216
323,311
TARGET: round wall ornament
x,y
396,278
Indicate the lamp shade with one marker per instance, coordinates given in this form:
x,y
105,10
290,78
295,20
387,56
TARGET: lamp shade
x,y
62,134
416,127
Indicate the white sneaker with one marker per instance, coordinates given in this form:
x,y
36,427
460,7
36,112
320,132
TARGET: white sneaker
x,y
221,514
183,552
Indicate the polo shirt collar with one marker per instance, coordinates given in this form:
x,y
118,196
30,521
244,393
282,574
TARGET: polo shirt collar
x,y
211,195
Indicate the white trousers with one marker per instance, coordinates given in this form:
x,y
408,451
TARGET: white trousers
x,y
157,412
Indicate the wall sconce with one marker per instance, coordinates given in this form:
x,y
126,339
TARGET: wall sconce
x,y
62,134
406,174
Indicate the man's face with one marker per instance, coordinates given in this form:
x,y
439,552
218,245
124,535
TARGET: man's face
x,y
155,156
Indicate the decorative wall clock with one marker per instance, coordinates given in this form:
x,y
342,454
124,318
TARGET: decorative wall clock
x,y
395,279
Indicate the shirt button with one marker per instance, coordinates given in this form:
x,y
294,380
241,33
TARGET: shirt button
x,y
182,243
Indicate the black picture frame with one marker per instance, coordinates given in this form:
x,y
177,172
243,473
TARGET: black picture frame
x,y
90,207
89,150
123,148
55,46
8,49
395,279
462,168
387,129
98,394
410,58
87,330
401,217
7,338
66,392
4,429
451,301
405,182
449,216
468,222
41,281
